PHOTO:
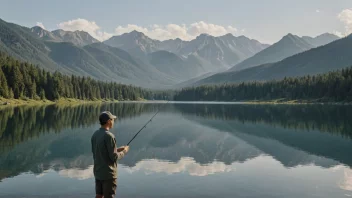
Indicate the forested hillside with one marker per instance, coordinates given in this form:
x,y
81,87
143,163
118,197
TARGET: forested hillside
x,y
332,86
21,80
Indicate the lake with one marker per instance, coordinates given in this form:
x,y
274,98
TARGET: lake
x,y
188,150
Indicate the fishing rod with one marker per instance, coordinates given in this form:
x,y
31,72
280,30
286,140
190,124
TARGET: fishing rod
x,y
144,126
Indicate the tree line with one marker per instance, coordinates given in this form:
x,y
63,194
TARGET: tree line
x,y
332,86
21,80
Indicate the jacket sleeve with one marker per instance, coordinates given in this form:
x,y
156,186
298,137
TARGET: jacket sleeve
x,y
112,149
92,145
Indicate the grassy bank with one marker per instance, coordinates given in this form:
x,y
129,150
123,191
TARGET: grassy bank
x,y
71,101
62,101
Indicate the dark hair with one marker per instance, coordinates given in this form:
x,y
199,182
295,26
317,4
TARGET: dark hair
x,y
103,123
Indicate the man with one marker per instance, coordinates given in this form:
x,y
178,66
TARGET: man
x,y
105,155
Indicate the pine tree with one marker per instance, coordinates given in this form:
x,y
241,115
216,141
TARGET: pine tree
x,y
11,94
4,91
42,94
16,79
33,90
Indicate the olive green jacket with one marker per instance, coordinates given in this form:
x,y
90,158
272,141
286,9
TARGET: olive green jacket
x,y
105,154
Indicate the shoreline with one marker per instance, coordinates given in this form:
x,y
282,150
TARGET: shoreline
x,y
296,102
71,101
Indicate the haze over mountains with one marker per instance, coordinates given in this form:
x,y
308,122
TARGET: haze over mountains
x,y
134,58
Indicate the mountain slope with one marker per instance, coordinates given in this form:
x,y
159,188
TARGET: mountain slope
x,y
107,64
289,45
192,81
126,67
335,55
20,43
45,34
321,39
76,59
79,38
173,45
173,65
135,43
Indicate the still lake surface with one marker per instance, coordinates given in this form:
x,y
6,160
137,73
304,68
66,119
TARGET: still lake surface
x,y
189,150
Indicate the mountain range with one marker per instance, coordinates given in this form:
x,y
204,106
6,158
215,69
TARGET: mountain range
x,y
288,46
134,58
332,56
79,38
220,52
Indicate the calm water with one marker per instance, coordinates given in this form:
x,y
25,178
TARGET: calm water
x,y
189,150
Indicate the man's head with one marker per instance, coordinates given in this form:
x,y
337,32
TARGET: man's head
x,y
106,119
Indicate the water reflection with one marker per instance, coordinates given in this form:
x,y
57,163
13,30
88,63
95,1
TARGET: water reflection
x,y
18,124
185,165
347,182
188,139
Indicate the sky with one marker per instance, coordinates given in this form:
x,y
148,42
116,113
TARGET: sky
x,y
264,20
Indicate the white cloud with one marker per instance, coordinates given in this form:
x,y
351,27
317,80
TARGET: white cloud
x,y
202,27
84,25
346,17
339,34
156,31
347,181
129,28
232,29
40,24
317,11
187,165
172,31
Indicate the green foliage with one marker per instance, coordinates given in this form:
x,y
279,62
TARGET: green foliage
x,y
42,94
11,94
332,86
4,92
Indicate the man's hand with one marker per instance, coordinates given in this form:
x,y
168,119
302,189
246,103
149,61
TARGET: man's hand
x,y
120,149
124,149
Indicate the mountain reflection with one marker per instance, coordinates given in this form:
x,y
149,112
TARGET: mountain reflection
x,y
197,139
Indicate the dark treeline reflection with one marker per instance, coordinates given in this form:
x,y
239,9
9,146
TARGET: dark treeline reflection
x,y
333,119
18,124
